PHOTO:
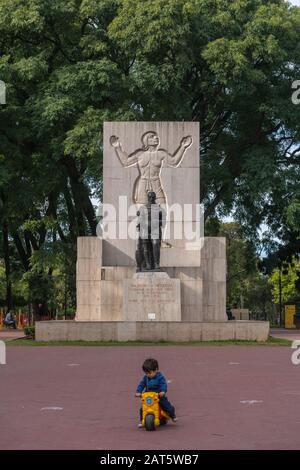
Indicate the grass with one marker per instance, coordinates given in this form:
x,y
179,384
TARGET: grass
x,y
29,342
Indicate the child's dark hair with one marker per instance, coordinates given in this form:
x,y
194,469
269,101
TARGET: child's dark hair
x,y
150,365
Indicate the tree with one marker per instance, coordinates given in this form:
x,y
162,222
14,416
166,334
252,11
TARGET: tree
x,y
241,260
289,277
71,65
229,65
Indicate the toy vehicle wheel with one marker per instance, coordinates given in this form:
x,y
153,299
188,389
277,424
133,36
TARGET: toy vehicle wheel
x,y
163,421
149,423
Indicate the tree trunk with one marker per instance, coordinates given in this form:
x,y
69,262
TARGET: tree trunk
x,y
22,253
80,192
71,212
9,298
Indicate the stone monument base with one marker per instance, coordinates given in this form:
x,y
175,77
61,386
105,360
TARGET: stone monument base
x,y
151,331
100,288
152,295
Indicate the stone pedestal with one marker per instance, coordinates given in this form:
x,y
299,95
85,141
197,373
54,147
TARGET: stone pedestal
x,y
88,278
152,296
101,289
151,331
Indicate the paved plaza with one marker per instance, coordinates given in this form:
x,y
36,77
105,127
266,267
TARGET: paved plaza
x,y
227,397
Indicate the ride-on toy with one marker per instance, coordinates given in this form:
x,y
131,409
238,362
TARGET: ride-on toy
x,y
153,414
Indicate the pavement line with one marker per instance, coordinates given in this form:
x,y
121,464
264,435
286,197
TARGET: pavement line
x,y
52,408
250,402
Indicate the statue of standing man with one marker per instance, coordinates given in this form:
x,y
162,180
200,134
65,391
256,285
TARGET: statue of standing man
x,y
150,223
150,159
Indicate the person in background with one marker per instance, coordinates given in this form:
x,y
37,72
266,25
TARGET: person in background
x,y
10,320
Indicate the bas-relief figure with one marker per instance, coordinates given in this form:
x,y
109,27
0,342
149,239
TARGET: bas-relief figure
x,y
150,159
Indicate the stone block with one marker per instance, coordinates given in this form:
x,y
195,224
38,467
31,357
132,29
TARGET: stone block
x,y
108,331
89,247
117,273
191,313
149,331
126,331
179,257
245,330
83,313
112,293
191,293
214,247
213,269
120,179
178,331
154,331
111,312
88,292
214,293
208,313
177,181
95,313
185,273
119,253
88,269
152,293
240,313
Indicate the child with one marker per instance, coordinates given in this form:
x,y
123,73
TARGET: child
x,y
154,381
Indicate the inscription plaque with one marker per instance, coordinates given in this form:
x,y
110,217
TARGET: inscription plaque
x,y
152,292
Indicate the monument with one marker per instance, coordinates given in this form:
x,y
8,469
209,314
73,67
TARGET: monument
x,y
150,275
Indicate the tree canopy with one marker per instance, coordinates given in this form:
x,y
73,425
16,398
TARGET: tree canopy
x,y
68,66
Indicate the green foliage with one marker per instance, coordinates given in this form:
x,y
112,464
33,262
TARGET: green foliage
x,y
29,332
258,298
241,260
2,285
71,65
289,276
247,287
293,215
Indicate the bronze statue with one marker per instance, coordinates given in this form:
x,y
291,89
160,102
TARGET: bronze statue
x,y
150,222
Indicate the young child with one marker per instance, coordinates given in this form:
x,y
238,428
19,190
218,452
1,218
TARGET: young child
x,y
154,381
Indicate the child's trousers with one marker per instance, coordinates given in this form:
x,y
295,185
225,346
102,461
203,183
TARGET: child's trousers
x,y
167,406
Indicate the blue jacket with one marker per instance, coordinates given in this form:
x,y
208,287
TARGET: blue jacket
x,y
157,384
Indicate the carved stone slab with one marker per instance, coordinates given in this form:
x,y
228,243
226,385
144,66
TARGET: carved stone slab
x,y
152,296
142,156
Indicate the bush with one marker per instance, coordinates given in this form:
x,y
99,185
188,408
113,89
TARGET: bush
x,y
29,332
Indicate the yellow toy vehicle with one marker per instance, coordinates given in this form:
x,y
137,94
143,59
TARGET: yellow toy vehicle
x,y
153,414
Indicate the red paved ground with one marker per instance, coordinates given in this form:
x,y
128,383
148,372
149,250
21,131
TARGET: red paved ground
x,y
282,333
210,387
